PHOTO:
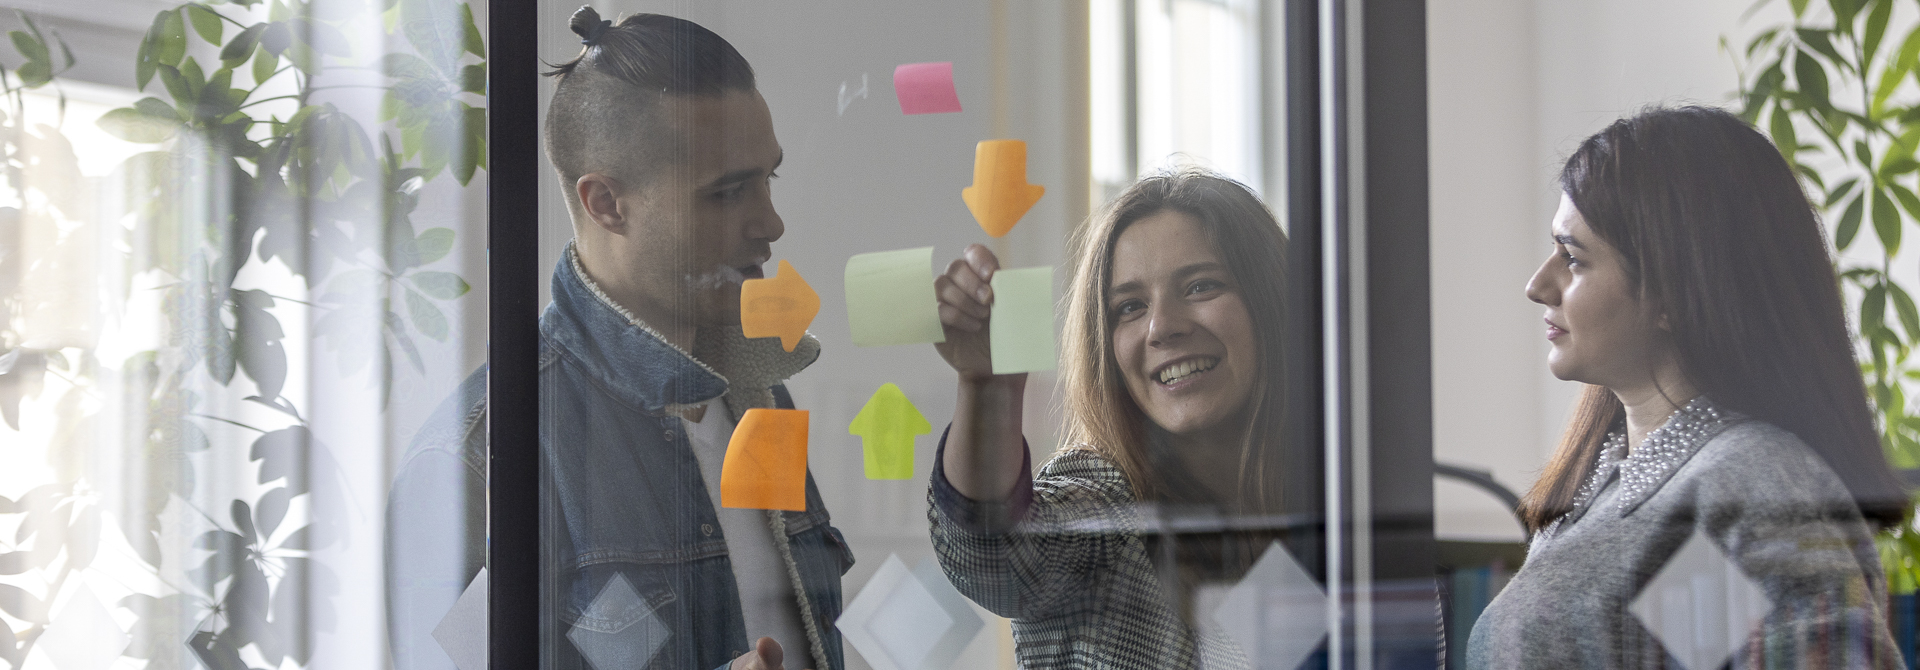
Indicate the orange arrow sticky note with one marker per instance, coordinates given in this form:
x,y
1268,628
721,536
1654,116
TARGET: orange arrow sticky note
x,y
1000,194
780,306
766,463
886,426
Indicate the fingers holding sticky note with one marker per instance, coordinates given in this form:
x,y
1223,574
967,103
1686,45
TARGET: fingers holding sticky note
x,y
890,298
766,462
926,88
1020,330
886,426
1000,194
782,306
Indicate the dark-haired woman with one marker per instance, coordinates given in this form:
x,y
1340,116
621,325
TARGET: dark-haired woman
x,y
1171,364
1715,497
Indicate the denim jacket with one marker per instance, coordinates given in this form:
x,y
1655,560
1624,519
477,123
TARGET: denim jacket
x,y
636,571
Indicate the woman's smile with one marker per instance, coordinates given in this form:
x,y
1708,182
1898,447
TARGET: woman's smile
x,y
1181,332
1183,372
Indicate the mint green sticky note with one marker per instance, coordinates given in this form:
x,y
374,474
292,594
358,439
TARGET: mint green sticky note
x,y
1020,331
890,298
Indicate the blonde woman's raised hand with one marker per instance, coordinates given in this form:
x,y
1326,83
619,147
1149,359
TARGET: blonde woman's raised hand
x,y
966,302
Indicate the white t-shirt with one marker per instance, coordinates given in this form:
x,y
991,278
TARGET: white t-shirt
x,y
766,593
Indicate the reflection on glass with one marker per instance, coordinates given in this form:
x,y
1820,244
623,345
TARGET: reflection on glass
x,y
1169,483
1177,83
235,254
1716,493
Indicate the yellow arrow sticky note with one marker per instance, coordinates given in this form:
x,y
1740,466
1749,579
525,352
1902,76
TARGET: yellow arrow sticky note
x,y
766,462
1000,194
780,306
1020,327
886,426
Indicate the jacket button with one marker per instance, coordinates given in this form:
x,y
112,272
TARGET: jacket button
x,y
707,530
669,436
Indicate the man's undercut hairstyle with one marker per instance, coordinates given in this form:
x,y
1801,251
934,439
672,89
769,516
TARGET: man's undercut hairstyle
x,y
606,110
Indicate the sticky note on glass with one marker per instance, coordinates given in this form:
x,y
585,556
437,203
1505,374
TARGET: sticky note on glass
x,y
890,298
766,462
909,620
1020,329
926,88
1000,194
781,306
886,426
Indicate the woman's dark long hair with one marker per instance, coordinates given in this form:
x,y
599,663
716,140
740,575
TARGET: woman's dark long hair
x,y
1715,229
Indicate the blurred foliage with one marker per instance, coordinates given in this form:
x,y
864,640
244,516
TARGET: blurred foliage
x,y
254,161
1840,96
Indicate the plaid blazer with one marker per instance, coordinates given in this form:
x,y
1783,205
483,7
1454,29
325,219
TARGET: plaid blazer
x,y
1064,559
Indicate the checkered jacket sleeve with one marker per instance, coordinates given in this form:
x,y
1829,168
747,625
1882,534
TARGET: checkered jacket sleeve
x,y
1037,554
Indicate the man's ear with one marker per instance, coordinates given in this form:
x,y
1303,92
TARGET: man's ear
x,y
600,197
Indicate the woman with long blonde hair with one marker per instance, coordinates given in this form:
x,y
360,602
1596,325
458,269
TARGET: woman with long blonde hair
x,y
1172,365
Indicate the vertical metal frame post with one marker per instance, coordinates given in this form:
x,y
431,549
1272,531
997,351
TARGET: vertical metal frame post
x,y
1376,327
1336,279
1394,458
513,336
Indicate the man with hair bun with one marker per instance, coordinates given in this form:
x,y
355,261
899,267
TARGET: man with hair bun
x,y
665,152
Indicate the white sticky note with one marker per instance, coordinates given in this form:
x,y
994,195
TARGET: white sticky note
x,y
1020,330
1700,606
966,623
84,636
462,633
909,620
1277,612
890,298
624,633
908,623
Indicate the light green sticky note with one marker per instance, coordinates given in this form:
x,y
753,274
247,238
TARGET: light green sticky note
x,y
886,426
1021,328
890,298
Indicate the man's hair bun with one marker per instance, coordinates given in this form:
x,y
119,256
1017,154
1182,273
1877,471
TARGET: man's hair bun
x,y
592,119
588,25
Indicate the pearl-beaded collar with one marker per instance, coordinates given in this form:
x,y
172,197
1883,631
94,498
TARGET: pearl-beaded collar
x,y
1642,471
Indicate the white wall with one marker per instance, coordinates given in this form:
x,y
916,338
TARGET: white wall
x,y
1514,86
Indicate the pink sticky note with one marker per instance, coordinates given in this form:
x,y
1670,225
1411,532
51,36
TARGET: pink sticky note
x,y
926,88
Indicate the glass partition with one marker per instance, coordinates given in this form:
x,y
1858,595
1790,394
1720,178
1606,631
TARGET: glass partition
x,y
241,264
930,335
979,334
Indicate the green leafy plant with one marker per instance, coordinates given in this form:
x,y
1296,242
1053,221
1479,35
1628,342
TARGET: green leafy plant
x,y
1840,96
255,162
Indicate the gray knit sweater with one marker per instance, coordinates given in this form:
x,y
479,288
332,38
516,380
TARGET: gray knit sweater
x,y
1763,499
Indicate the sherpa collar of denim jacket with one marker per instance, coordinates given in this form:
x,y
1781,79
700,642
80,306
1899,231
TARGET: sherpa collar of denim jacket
x,y
635,364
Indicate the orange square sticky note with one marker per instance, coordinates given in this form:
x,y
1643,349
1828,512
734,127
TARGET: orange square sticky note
x,y
766,463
